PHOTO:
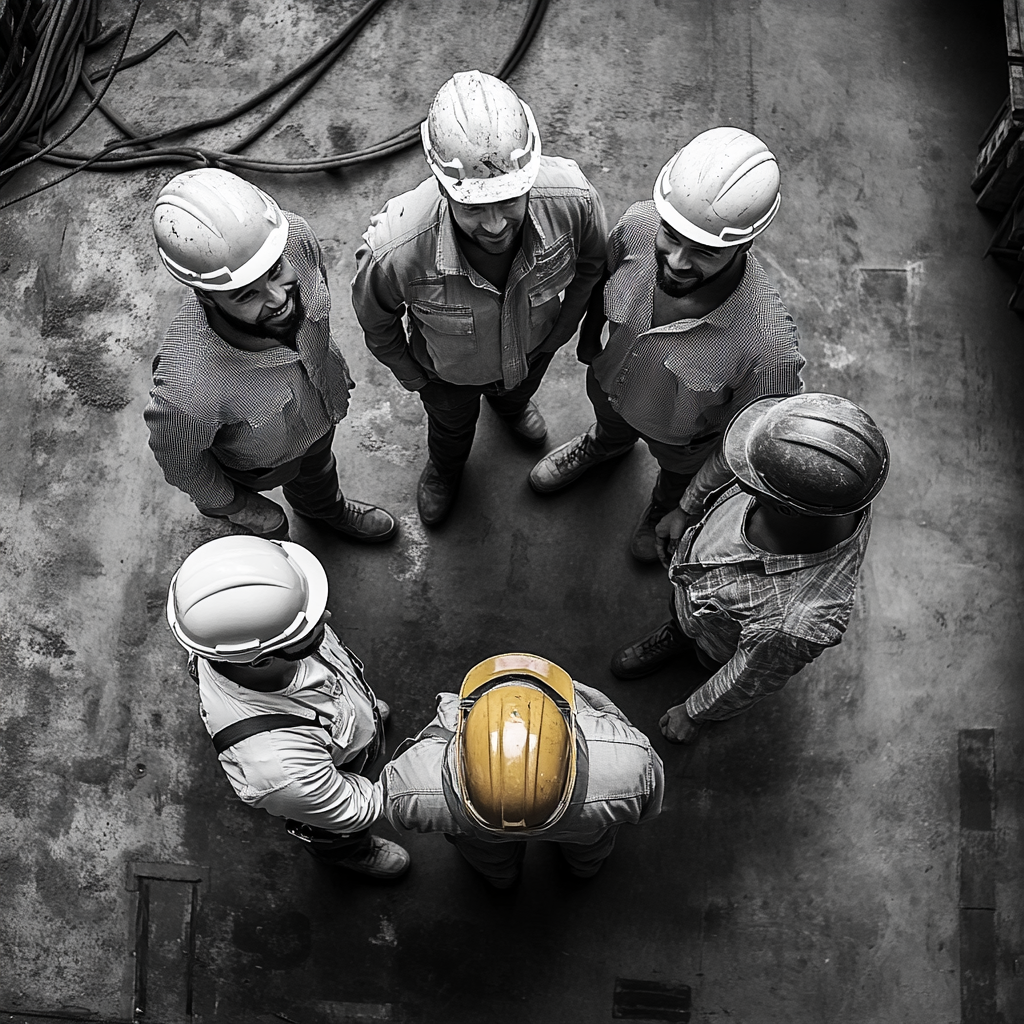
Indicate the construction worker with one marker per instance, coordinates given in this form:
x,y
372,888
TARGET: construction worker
x,y
765,572
523,752
294,723
493,258
696,331
249,384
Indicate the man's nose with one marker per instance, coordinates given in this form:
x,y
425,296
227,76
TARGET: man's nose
x,y
277,293
493,221
679,259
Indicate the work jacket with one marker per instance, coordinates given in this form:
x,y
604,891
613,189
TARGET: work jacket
x,y
619,777
461,328
307,773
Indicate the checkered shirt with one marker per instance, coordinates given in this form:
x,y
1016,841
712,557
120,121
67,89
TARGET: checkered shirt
x,y
687,379
215,405
763,615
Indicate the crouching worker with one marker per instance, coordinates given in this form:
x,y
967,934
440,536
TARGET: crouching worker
x,y
523,752
293,722
765,575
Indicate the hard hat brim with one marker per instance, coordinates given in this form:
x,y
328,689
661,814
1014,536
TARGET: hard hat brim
x,y
316,581
734,441
531,665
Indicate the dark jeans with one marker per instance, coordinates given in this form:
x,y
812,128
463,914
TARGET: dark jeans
x,y
678,463
501,862
310,482
453,409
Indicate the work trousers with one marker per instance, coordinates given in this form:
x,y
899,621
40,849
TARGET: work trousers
x,y
677,462
453,409
310,481
502,862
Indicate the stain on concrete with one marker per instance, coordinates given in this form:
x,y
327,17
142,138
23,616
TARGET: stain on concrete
x,y
96,771
279,941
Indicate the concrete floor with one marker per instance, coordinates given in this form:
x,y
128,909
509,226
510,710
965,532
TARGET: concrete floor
x,y
824,859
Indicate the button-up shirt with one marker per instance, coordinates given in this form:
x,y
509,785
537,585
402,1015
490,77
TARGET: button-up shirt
x,y
763,615
214,404
300,772
687,379
620,778
461,328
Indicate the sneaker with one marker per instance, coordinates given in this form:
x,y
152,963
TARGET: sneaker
x,y
435,495
566,463
360,522
651,652
644,544
530,428
383,859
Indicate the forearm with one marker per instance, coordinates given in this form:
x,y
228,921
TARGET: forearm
x,y
761,666
336,801
713,475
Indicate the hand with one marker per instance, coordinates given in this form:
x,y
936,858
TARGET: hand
x,y
261,516
677,726
667,534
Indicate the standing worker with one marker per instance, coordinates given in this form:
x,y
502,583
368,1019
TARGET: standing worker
x,y
523,752
765,578
292,719
249,384
696,331
493,259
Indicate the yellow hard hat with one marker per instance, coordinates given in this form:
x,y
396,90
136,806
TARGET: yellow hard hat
x,y
516,742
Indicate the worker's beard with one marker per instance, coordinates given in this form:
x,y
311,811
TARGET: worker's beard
x,y
676,289
283,331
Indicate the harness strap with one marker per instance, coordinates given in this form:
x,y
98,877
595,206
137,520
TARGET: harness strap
x,y
246,727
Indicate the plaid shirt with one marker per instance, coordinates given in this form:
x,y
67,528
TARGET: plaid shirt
x,y
763,615
687,379
213,404
461,328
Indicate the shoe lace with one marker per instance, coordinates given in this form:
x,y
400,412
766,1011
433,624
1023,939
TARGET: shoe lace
x,y
572,453
665,638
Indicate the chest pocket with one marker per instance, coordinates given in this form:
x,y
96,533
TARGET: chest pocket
x,y
553,273
439,318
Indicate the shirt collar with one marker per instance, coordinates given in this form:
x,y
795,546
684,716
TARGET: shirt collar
x,y
721,316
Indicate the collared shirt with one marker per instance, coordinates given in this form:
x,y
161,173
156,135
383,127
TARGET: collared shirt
x,y
297,772
763,615
215,405
461,328
625,777
687,379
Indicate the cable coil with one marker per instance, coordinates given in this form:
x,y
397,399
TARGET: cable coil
x,y
44,43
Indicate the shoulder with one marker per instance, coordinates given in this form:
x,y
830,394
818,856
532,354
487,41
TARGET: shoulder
x,y
559,173
636,228
405,220
188,351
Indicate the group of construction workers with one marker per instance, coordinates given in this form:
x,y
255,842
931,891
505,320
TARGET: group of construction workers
x,y
466,286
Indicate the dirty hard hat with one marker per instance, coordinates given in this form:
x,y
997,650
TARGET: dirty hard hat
x,y
215,231
481,140
516,743
239,598
819,454
720,189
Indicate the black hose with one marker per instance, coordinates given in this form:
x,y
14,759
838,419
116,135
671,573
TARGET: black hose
x,y
144,150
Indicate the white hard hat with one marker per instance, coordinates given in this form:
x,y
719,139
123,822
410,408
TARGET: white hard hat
x,y
238,598
217,232
481,140
720,189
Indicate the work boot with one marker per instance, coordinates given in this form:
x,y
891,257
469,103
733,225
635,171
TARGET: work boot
x,y
435,495
360,522
644,544
568,462
381,859
530,428
651,652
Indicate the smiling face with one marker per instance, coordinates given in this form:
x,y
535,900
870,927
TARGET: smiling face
x,y
271,304
492,226
685,265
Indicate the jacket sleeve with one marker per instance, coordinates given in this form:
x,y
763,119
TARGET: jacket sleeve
x,y
312,790
765,660
590,265
380,306
181,444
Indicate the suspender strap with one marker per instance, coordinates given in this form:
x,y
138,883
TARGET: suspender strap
x,y
246,727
